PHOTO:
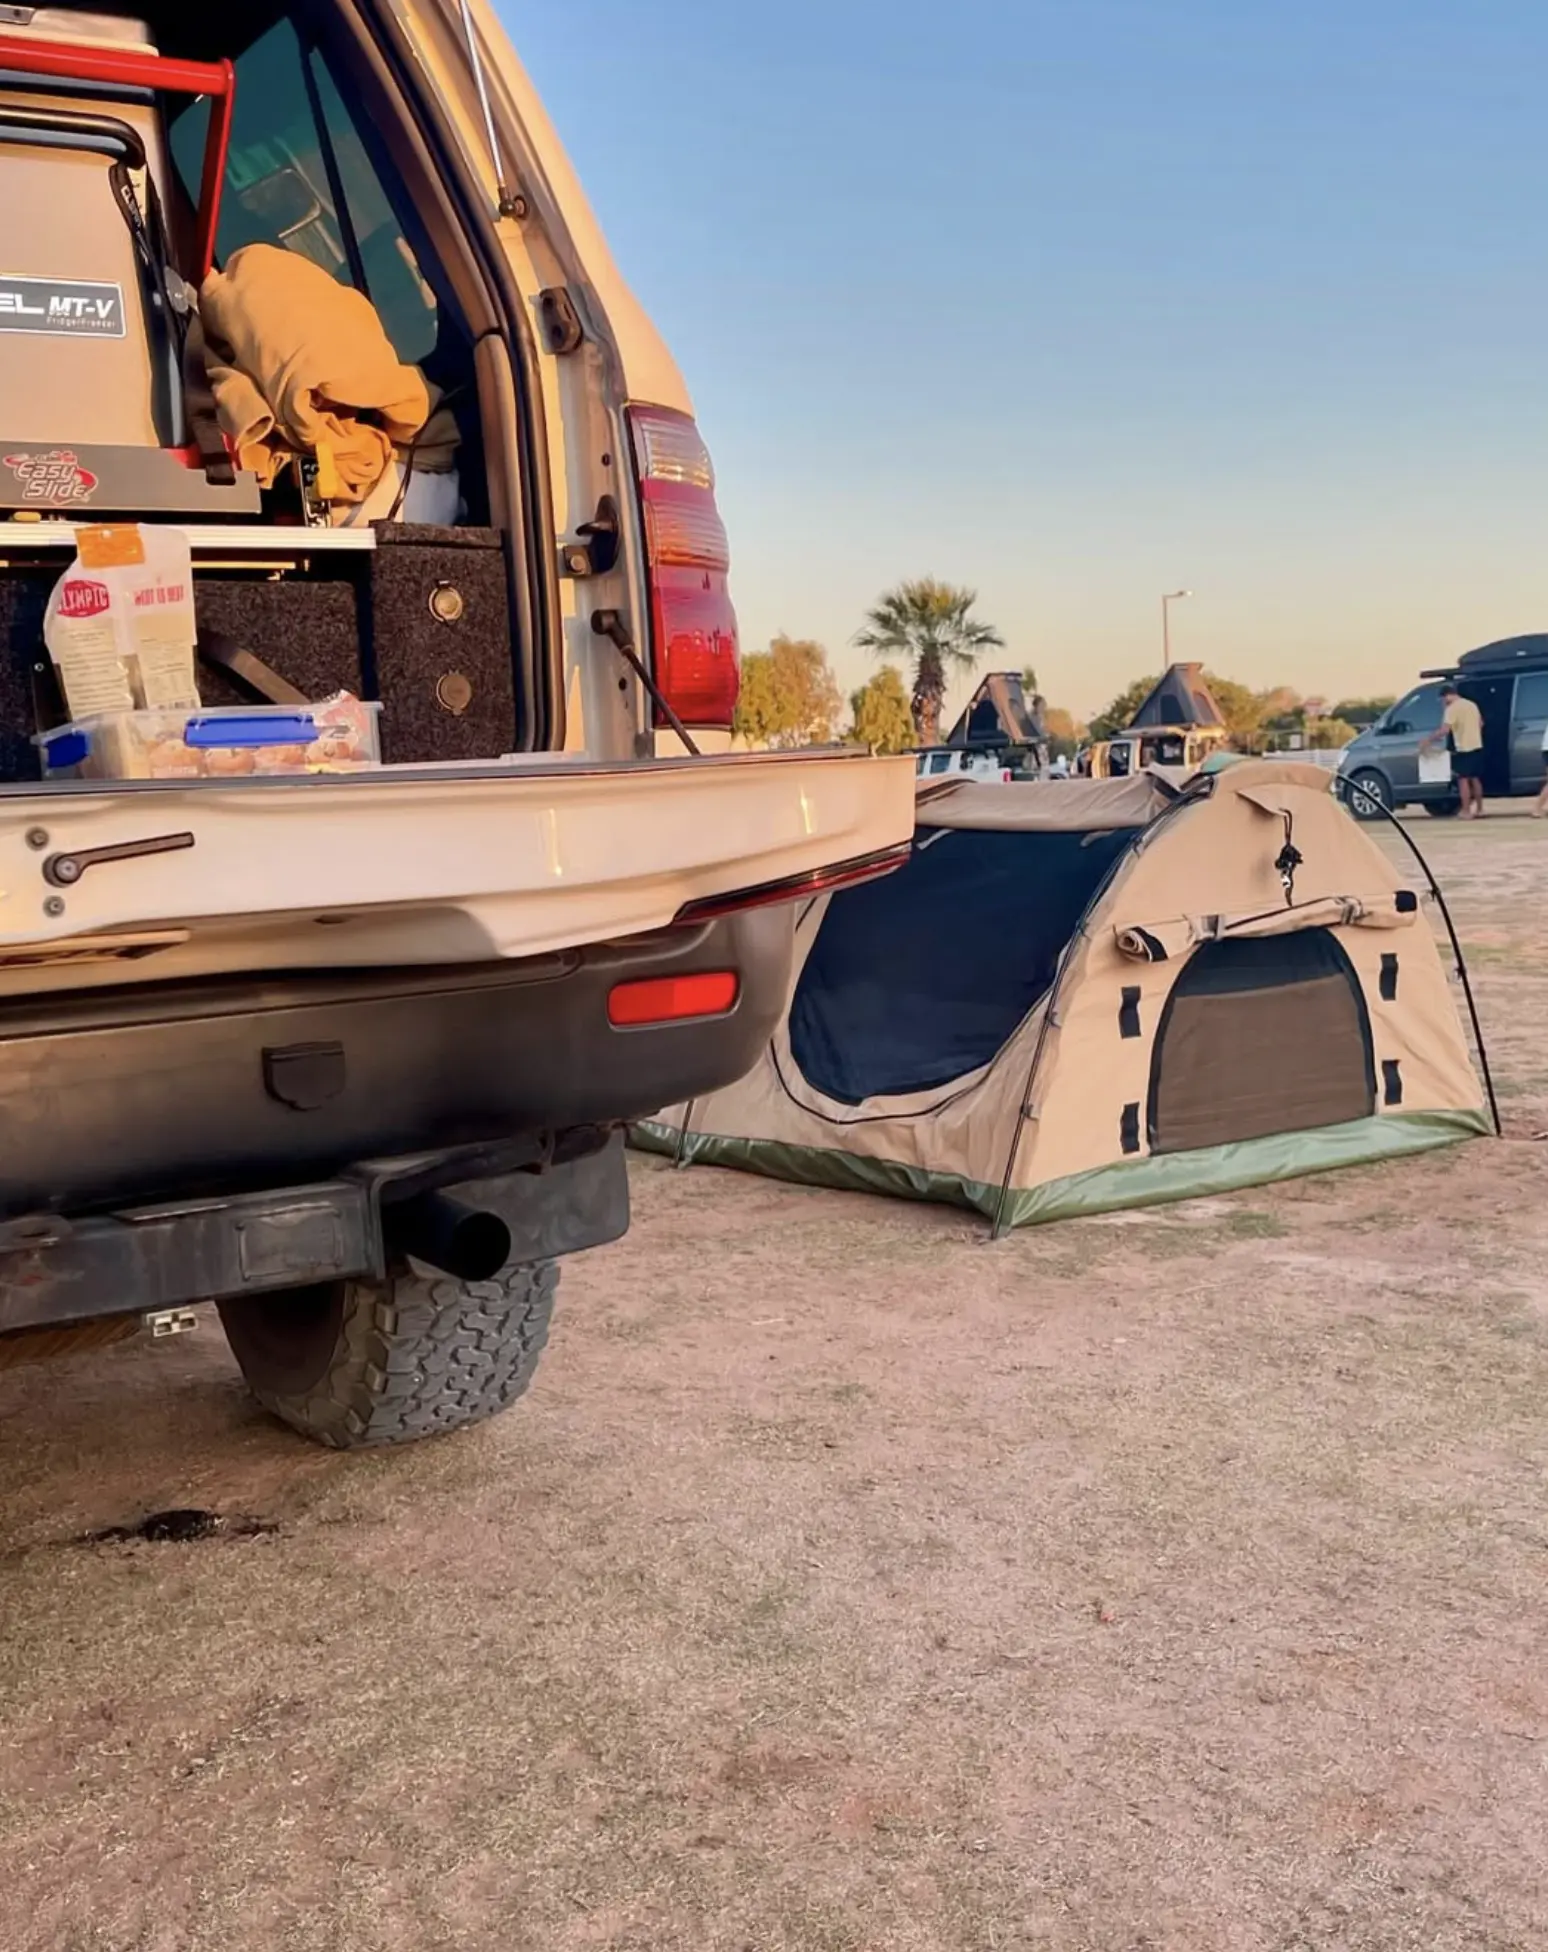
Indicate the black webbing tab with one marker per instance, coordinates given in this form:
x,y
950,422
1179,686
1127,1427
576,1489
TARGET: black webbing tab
x,y
1389,979
1129,1130
199,404
1392,1073
1128,1014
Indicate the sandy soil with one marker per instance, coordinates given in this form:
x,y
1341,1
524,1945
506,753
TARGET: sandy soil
x,y
1175,1582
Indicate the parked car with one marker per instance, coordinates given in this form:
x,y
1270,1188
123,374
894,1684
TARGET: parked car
x,y
349,1047
951,762
1508,681
1177,752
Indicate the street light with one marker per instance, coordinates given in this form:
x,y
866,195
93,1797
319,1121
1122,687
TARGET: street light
x,y
1166,620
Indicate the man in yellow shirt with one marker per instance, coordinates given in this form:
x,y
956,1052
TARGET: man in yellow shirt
x,y
1463,726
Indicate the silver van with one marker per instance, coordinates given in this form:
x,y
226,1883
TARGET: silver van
x,y
1508,681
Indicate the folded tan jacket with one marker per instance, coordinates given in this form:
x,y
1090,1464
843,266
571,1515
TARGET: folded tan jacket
x,y
295,361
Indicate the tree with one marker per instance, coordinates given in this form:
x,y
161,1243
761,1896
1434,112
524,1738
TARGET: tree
x,y
789,696
1361,712
1119,715
883,720
1246,712
931,625
1066,734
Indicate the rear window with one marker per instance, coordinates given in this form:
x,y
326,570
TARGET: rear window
x,y
300,177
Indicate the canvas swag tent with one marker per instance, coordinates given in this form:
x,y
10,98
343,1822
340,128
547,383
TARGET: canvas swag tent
x,y
1087,995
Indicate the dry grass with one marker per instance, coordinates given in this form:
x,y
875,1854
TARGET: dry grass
x,y
847,1585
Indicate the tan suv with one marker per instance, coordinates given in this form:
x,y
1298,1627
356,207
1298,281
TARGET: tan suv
x,y
348,1047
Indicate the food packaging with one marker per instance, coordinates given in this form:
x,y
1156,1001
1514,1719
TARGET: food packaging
x,y
120,624
244,742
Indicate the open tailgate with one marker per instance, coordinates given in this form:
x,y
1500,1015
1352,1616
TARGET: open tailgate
x,y
427,865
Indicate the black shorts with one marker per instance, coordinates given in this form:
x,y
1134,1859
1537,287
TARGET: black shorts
x,y
1467,765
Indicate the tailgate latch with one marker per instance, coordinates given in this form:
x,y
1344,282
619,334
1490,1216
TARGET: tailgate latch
x,y
64,870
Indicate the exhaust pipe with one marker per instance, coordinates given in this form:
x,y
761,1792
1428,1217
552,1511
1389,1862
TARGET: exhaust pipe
x,y
458,1240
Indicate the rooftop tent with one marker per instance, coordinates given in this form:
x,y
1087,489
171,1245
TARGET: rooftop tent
x,y
1181,697
999,714
1506,654
1097,994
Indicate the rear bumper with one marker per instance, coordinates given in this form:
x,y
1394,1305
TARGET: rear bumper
x,y
136,1096
56,1271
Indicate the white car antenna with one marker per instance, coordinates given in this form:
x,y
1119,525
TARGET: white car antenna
x,y
511,203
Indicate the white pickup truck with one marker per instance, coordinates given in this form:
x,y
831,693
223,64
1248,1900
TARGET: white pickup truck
x,y
351,1054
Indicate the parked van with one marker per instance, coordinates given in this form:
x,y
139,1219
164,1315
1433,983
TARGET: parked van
x,y
1508,681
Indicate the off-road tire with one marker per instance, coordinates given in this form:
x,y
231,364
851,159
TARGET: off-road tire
x,y
359,1364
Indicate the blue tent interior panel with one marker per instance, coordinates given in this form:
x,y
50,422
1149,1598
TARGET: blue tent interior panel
x,y
919,979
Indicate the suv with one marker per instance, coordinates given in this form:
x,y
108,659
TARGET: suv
x,y
351,1052
951,762
1508,681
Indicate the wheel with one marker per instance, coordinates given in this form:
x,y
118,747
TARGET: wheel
x,y
358,1364
1368,794
1443,809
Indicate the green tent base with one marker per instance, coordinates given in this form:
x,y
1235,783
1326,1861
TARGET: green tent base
x,y
1109,1189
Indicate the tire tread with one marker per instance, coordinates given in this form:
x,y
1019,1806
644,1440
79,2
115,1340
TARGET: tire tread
x,y
429,1355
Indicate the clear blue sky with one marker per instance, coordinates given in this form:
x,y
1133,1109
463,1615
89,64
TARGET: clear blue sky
x,y
1080,300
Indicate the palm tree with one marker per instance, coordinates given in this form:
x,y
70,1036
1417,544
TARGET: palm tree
x,y
931,625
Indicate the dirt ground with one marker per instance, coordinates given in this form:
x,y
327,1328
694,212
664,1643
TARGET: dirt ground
x,y
1176,1581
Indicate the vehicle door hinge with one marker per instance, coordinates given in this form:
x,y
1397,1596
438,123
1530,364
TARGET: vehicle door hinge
x,y
559,321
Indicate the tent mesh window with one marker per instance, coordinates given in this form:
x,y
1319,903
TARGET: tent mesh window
x,y
1261,1036
918,980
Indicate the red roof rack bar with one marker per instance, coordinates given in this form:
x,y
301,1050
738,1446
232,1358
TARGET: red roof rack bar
x,y
130,68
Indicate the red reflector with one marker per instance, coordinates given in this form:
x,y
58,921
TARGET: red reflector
x,y
799,887
673,999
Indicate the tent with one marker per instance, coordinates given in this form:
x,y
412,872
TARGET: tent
x,y
999,717
1181,697
1086,995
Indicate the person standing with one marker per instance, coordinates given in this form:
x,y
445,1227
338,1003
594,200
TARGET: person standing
x,y
1542,797
1463,726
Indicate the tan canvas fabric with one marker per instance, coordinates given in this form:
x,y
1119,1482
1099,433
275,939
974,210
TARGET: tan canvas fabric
x,y
1072,806
296,360
1069,1061
1154,941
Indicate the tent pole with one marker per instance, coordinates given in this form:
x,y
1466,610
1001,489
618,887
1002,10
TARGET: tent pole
x,y
679,1157
1056,990
1342,787
1024,1113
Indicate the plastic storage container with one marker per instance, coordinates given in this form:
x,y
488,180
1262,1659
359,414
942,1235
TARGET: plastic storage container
x,y
341,736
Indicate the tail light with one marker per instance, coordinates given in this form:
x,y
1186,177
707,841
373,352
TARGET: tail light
x,y
693,626
797,887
